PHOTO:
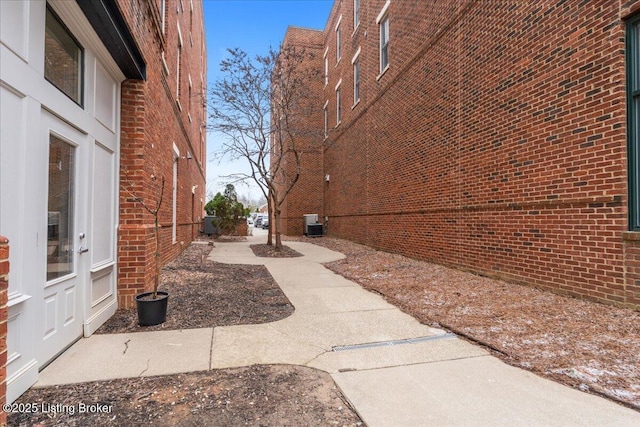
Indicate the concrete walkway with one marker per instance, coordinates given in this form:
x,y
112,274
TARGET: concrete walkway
x,y
394,370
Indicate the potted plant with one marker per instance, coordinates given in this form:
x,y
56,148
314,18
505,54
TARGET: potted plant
x,y
152,305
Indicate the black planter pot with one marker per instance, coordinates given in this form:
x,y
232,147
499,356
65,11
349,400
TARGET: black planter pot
x,y
152,311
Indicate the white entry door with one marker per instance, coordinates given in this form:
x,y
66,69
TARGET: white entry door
x,y
61,321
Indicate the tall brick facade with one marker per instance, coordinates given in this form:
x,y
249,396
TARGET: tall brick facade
x,y
495,141
163,126
308,188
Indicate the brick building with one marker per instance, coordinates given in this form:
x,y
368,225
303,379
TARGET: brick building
x,y
499,137
101,101
308,45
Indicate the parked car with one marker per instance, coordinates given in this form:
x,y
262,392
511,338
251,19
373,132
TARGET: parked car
x,y
249,221
259,218
265,222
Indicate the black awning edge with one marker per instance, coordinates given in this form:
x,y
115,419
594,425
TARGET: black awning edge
x,y
107,21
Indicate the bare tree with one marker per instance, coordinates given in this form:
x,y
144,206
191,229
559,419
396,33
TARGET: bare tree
x,y
259,105
153,207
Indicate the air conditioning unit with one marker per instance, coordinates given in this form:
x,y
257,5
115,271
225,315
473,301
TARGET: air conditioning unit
x,y
314,230
309,219
210,225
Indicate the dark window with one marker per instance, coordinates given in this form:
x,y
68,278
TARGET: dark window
x,y
338,54
338,118
326,122
62,58
356,82
633,119
384,43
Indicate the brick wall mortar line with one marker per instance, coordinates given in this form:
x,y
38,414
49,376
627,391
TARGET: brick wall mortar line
x,y
534,204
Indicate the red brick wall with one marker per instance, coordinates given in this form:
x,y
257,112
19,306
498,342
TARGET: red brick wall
x,y
155,116
306,196
495,142
4,285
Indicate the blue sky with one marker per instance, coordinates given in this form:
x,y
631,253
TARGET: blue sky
x,y
253,26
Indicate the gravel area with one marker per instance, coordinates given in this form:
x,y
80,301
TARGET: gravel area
x,y
586,345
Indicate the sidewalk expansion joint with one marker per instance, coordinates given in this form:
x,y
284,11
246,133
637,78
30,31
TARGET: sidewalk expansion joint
x,y
391,343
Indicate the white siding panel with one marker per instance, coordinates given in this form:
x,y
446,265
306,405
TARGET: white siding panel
x,y
12,180
14,26
103,209
105,98
102,286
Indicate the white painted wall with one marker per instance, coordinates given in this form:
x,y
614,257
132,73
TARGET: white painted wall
x,y
30,109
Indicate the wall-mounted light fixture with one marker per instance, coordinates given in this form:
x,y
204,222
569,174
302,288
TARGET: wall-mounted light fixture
x,y
327,177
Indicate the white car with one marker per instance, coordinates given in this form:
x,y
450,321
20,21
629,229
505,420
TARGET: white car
x,y
259,218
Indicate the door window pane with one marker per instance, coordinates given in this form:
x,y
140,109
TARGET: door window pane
x,y
61,209
62,58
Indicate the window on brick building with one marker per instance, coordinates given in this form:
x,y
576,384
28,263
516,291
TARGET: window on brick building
x,y
338,53
356,77
326,119
326,67
178,65
338,111
163,8
189,99
174,194
356,82
191,24
633,119
63,58
356,13
383,23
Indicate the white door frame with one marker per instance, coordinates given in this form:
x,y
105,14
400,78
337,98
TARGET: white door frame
x,y
61,318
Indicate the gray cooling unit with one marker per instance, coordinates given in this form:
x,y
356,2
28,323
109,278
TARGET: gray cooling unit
x,y
314,230
309,219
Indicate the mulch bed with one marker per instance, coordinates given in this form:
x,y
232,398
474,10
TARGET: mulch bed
x,y
204,294
274,395
586,345
269,251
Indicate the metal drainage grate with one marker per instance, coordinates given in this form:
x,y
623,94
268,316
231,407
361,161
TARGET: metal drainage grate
x,y
391,343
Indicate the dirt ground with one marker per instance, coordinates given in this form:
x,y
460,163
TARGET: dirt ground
x,y
274,395
264,250
586,345
202,294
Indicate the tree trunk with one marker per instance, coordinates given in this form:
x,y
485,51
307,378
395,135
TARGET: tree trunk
x,y
269,238
276,214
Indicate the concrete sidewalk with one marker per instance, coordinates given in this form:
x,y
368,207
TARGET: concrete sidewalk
x,y
394,370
